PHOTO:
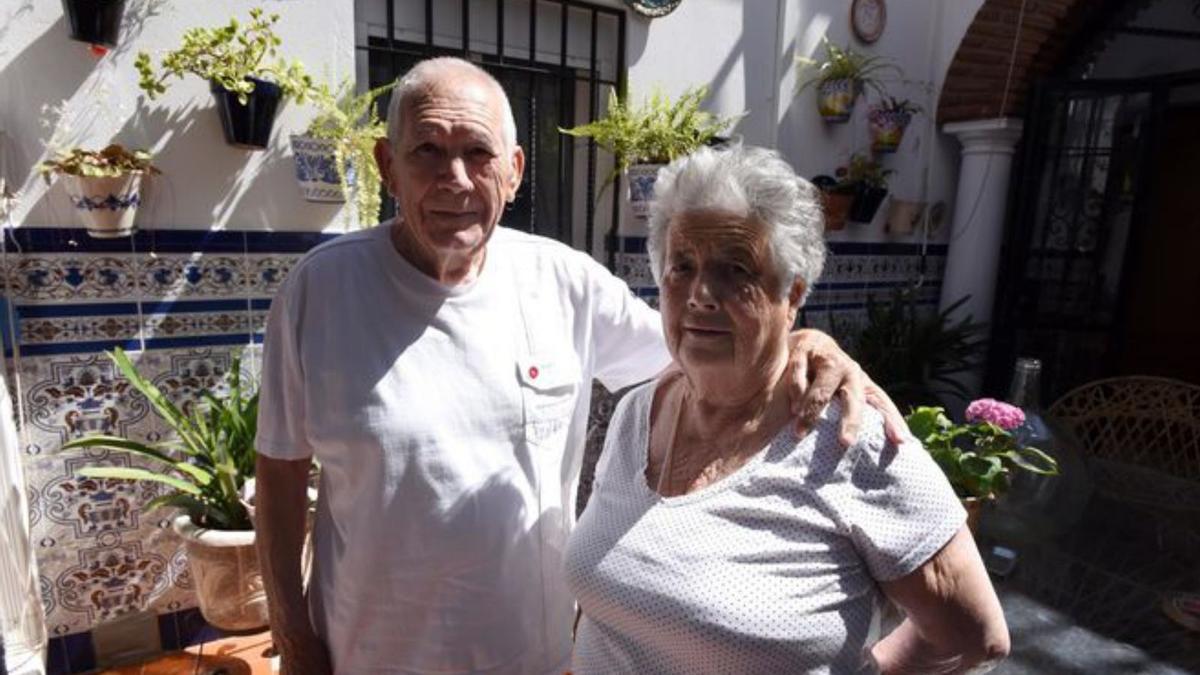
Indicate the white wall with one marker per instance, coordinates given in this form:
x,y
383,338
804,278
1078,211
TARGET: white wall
x,y
206,183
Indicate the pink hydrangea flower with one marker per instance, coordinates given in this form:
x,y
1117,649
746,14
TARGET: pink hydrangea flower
x,y
1003,415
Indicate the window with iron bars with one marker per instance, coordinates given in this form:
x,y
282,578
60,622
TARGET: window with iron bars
x,y
558,61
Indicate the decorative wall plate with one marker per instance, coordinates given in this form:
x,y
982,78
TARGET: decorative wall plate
x,y
868,19
653,8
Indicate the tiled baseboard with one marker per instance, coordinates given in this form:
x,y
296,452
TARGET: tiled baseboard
x,y
176,630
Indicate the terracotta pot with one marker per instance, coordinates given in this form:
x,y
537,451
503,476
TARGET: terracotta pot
x,y
835,99
887,129
974,507
837,208
227,575
107,205
316,169
903,215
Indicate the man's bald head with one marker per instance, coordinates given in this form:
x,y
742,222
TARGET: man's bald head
x,y
427,75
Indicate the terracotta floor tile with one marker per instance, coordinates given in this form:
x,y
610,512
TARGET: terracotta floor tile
x,y
238,655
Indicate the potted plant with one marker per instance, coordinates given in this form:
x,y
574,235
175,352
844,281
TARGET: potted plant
x,y
335,155
869,179
97,22
837,196
105,186
244,74
644,138
887,122
204,469
841,78
903,215
916,356
980,455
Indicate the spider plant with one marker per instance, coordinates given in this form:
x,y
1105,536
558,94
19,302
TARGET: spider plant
x,y
207,463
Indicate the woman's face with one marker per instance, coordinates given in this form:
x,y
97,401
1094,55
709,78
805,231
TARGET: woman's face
x,y
721,306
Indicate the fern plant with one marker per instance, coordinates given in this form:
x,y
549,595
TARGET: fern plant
x,y
206,465
655,132
351,122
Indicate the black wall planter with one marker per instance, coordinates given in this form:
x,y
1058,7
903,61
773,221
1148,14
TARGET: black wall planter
x,y
867,201
248,126
96,22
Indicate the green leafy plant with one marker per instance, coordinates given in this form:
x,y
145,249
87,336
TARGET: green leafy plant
x,y
113,160
207,464
898,105
915,356
865,170
228,55
978,458
655,132
351,122
843,63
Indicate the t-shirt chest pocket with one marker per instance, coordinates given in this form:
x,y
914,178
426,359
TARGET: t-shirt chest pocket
x,y
549,390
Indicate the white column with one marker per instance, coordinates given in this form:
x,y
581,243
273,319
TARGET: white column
x,y
22,625
979,215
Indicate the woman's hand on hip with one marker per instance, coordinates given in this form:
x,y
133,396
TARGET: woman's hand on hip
x,y
820,370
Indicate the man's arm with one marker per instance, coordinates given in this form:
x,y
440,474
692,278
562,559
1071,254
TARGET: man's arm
x,y
281,505
954,621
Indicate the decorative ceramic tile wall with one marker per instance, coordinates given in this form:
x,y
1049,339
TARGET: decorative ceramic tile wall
x,y
182,303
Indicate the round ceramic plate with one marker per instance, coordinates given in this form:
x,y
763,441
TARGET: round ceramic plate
x,y
653,8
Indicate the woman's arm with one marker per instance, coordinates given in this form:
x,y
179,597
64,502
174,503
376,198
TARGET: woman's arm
x,y
954,623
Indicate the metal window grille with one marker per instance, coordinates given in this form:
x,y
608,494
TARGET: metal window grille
x,y
554,78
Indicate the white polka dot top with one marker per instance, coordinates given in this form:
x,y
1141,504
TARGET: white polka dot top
x,y
771,569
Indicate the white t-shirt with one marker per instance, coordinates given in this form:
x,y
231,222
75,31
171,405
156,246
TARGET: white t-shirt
x,y
449,423
771,569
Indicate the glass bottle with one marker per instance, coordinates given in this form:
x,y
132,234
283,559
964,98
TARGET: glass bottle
x,y
1038,507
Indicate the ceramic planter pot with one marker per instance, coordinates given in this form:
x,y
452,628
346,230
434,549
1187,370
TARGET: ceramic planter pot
x,y
96,22
867,201
228,579
107,205
835,99
903,215
316,169
974,507
836,206
639,197
248,126
887,129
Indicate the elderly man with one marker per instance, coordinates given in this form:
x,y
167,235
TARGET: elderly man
x,y
439,368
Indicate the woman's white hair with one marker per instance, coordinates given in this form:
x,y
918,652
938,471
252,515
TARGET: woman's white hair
x,y
421,77
753,183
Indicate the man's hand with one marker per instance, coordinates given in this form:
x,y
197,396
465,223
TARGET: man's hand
x,y
821,369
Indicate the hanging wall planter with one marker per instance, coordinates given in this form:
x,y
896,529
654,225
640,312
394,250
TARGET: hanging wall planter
x,y
248,125
316,169
903,215
96,22
104,186
836,200
867,200
835,99
887,123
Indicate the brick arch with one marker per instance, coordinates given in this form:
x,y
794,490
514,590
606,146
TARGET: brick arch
x,y
1052,33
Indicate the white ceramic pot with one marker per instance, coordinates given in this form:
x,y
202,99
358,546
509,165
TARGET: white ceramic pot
x,y
639,195
316,169
904,215
228,579
107,205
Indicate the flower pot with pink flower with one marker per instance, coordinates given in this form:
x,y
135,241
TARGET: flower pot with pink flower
x,y
980,456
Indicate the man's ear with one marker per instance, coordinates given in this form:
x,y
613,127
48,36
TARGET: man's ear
x,y
518,173
383,159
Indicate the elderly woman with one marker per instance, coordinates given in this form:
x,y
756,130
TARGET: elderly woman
x,y
716,539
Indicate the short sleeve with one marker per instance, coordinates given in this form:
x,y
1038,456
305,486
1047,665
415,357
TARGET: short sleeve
x,y
281,398
896,504
627,333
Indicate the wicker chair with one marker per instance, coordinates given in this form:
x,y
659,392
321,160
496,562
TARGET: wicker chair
x,y
1142,438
